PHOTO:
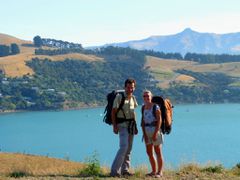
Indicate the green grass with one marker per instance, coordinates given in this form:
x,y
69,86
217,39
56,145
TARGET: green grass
x,y
214,169
235,84
159,75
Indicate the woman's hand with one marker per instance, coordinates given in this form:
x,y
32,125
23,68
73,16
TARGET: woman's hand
x,y
154,136
145,138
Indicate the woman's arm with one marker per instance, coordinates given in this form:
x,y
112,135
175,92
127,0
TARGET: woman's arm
x,y
143,127
159,123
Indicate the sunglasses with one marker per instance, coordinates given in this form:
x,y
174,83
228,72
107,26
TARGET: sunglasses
x,y
146,96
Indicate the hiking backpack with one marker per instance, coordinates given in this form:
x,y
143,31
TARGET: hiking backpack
x,y
166,108
108,109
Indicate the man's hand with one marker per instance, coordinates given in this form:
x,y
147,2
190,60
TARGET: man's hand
x,y
135,131
115,129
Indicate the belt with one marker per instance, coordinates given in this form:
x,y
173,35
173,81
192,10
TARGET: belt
x,y
152,124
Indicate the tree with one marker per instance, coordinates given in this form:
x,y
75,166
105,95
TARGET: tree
x,y
15,49
4,50
37,40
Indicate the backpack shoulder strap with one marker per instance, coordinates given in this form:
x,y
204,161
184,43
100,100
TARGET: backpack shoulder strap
x,y
154,110
134,98
142,109
122,101
121,104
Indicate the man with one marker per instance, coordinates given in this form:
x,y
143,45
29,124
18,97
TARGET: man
x,y
124,124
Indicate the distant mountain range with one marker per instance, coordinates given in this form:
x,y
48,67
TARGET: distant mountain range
x,y
188,41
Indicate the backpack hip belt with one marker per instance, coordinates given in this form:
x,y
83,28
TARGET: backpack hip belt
x,y
122,120
132,125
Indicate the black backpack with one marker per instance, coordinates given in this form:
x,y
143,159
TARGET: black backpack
x,y
108,109
166,108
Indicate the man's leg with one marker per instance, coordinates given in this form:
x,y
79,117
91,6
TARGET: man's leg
x,y
126,163
120,156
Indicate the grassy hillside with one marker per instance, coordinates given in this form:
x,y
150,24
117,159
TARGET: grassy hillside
x,y
7,40
38,167
164,70
15,65
57,79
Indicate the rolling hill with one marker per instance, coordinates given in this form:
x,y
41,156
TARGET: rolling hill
x,y
164,70
15,65
60,79
7,40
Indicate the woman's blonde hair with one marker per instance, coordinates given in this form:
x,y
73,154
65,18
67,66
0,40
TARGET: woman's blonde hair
x,y
148,92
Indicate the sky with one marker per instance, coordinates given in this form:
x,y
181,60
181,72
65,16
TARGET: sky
x,y
98,22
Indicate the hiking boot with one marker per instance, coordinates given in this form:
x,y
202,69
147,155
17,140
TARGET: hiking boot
x,y
127,174
115,175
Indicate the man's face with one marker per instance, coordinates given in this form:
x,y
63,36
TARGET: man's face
x,y
130,88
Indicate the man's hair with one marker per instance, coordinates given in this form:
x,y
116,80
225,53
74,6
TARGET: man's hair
x,y
130,81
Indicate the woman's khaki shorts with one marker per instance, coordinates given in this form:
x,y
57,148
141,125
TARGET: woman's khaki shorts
x,y
150,140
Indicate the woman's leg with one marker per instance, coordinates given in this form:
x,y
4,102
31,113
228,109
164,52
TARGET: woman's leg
x,y
158,151
149,148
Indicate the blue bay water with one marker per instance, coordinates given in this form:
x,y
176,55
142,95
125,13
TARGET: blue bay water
x,y
201,133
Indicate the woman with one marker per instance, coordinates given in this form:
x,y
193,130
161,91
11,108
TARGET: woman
x,y
151,123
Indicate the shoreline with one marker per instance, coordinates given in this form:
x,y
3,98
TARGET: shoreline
x,y
2,112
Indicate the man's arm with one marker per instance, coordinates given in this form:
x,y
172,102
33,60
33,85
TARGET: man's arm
x,y
114,122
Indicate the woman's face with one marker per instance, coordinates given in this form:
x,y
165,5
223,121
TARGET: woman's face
x,y
147,97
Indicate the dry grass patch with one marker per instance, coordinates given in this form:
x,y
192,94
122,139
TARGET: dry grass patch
x,y
168,65
7,40
76,56
15,66
185,78
163,70
37,165
231,69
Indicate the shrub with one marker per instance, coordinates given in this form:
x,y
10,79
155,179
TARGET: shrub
x,y
214,169
92,168
18,174
236,169
238,165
